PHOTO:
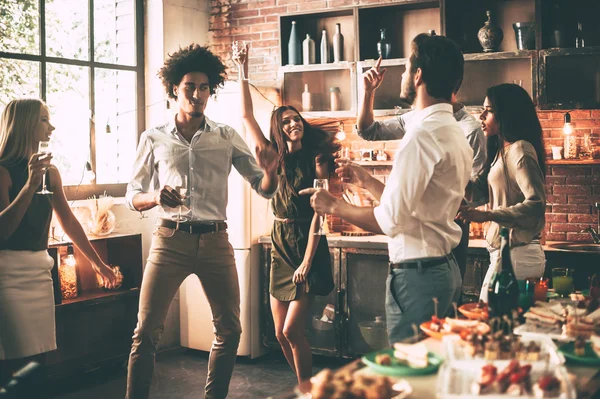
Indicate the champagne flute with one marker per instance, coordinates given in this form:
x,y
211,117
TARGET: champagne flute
x,y
322,184
182,190
239,46
44,147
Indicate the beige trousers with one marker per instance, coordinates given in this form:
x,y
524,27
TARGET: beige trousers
x,y
175,255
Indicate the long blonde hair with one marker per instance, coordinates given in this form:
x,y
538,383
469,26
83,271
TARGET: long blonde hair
x,y
17,129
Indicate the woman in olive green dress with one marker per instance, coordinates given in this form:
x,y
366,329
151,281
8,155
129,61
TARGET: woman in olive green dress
x,y
300,262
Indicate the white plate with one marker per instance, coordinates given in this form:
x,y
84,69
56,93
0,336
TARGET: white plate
x,y
402,387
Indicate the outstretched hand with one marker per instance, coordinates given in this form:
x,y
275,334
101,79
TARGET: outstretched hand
x,y
239,54
373,77
267,159
321,200
473,215
352,173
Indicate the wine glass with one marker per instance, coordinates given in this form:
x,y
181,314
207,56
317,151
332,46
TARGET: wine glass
x,y
182,190
44,148
239,46
324,185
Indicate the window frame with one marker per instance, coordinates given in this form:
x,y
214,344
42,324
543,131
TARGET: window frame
x,y
83,191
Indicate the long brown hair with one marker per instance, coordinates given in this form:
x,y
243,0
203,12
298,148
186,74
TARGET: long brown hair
x,y
318,142
17,128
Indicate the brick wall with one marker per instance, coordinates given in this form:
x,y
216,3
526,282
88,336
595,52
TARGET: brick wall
x,y
571,190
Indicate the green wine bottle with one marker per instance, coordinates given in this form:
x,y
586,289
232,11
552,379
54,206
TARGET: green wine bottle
x,y
503,291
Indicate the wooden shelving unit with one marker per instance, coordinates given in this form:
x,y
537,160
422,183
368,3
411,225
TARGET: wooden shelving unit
x,y
573,162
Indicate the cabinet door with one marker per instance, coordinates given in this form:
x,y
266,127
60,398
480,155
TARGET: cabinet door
x,y
322,334
363,277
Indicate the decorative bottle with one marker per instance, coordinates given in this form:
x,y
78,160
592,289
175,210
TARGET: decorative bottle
x,y
294,46
308,50
384,48
338,44
334,97
306,99
490,36
324,48
579,40
503,291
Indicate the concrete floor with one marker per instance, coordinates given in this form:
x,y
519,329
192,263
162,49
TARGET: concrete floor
x,y
181,374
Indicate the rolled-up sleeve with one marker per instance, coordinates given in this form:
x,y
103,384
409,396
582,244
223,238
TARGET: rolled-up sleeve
x,y
406,183
389,129
244,162
143,171
526,214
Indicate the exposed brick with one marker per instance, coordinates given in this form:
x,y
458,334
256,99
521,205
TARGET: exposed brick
x,y
265,43
244,14
571,171
580,114
261,4
269,35
568,227
249,37
551,123
579,237
571,208
580,199
273,10
596,113
239,6
581,218
556,180
556,199
556,236
272,18
264,27
588,180
543,115
560,189
249,22
341,3
556,217
313,5
596,191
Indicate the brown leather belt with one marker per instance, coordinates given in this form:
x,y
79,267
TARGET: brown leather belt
x,y
425,263
194,228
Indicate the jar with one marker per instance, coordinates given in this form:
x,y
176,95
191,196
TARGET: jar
x,y
67,272
334,96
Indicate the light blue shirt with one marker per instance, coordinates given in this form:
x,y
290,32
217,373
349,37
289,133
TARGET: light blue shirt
x,y
164,156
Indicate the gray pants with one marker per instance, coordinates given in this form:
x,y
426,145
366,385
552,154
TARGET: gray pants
x,y
410,293
174,255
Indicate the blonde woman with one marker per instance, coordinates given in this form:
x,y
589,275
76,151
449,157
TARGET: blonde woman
x,y
27,326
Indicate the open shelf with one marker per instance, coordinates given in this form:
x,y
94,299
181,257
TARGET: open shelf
x,y
573,161
374,163
98,295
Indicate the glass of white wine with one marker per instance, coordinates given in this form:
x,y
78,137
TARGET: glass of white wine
x,y
239,46
44,148
324,185
182,190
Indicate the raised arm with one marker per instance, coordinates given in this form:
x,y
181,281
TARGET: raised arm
x,y
240,57
371,81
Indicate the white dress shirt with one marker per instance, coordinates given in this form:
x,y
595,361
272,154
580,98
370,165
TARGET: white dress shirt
x,y
426,186
164,156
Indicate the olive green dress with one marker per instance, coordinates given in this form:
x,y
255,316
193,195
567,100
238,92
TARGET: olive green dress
x,y
290,239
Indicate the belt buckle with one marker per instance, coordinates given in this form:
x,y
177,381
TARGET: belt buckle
x,y
191,228
216,224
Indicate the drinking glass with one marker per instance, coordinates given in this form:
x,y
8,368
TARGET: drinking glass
x,y
540,291
239,46
322,184
182,190
562,281
526,292
44,148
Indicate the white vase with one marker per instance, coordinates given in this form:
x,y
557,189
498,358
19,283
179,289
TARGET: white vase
x,y
308,50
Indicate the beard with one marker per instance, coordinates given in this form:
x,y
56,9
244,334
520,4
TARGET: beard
x,y
408,93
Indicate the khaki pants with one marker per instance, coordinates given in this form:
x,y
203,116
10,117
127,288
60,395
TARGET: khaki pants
x,y
174,255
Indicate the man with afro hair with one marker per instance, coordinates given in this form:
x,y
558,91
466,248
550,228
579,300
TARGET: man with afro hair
x,y
191,233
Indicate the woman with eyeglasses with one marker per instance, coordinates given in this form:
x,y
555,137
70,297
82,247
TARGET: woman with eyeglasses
x,y
27,326
300,260
514,179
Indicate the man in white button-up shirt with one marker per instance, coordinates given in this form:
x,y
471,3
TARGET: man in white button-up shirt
x,y
195,149
423,192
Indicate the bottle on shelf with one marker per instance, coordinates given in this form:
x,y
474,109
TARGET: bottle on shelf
x,y
338,44
334,98
324,48
306,99
384,48
503,291
294,46
579,39
308,50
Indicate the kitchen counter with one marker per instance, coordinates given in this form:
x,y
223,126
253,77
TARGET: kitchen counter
x,y
379,241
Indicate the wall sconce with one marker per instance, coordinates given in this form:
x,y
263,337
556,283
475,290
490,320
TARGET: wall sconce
x,y
88,175
571,150
67,272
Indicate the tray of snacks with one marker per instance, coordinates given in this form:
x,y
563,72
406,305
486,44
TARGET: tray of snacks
x,y
403,360
352,385
583,352
475,310
513,379
438,328
501,347
561,321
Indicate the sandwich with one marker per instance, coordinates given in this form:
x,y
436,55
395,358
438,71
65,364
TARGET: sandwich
x,y
414,355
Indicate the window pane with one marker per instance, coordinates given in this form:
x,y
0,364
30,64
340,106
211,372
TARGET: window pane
x,y
18,79
116,107
114,31
68,97
19,24
67,29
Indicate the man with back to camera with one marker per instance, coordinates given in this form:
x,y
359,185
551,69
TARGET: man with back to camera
x,y
423,191
395,128
192,146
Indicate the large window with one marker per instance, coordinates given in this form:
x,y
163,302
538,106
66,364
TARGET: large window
x,y
85,59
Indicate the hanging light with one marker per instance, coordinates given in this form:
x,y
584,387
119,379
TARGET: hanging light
x,y
340,135
570,150
88,175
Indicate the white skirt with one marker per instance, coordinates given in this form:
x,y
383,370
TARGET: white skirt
x,y
27,324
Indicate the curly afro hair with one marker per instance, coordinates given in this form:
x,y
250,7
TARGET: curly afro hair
x,y
193,58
